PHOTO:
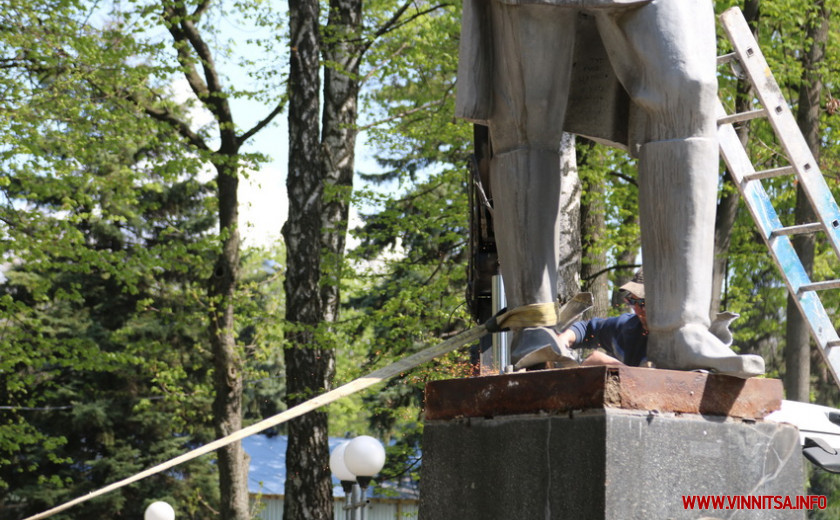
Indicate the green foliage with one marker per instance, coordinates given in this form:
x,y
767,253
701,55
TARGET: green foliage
x,y
753,286
614,174
409,91
260,307
404,275
108,237
109,242
406,295
828,485
105,365
410,263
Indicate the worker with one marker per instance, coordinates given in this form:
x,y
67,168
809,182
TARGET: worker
x,y
623,338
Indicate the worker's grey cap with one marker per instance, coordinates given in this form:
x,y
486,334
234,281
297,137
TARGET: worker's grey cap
x,y
636,285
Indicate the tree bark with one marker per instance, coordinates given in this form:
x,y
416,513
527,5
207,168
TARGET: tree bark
x,y
324,176
330,167
569,268
593,269
308,365
797,337
727,208
227,404
343,52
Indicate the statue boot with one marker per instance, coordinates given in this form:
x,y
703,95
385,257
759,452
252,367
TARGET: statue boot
x,y
535,346
677,193
526,185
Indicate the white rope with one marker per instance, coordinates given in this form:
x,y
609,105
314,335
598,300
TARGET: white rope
x,y
352,387
540,314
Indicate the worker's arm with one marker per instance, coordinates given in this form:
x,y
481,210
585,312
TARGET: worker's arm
x,y
568,338
613,336
599,358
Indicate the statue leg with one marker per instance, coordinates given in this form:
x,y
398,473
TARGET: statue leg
x,y
678,244
664,54
526,195
532,50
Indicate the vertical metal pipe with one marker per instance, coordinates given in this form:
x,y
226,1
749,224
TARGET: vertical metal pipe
x,y
347,486
348,504
501,352
363,504
355,508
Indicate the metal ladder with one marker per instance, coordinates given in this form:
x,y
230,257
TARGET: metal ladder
x,y
801,164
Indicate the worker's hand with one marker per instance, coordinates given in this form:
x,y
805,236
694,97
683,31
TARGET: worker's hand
x,y
567,338
598,358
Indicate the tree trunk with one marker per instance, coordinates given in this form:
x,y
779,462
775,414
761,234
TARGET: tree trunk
x,y
727,208
625,260
727,212
797,337
227,404
191,49
341,91
593,269
569,268
308,365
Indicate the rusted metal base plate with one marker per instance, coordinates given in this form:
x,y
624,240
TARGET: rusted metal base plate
x,y
586,388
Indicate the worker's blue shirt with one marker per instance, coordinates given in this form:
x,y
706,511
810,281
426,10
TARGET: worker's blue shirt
x,y
622,337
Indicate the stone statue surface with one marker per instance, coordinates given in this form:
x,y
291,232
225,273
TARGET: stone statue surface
x,y
637,74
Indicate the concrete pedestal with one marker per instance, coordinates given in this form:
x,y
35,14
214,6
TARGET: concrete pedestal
x,y
606,443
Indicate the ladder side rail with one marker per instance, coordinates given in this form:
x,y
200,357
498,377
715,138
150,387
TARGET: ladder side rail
x,y
780,247
784,124
740,166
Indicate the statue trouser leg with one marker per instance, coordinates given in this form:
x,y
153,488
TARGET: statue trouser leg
x,y
677,191
532,56
526,187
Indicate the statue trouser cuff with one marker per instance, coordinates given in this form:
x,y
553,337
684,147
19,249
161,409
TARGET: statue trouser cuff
x,y
533,346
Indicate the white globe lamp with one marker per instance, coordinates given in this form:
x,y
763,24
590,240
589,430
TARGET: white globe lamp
x,y
159,511
364,456
338,465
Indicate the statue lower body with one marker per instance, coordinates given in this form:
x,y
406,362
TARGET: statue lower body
x,y
664,55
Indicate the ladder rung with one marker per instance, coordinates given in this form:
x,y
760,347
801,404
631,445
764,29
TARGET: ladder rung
x,y
742,116
726,58
800,229
820,286
770,173
832,344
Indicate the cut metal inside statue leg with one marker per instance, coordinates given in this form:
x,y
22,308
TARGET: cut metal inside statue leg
x,y
536,346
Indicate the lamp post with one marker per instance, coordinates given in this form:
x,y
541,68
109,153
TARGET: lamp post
x,y
355,463
348,480
159,511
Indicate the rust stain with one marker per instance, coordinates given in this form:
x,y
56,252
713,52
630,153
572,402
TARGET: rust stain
x,y
562,390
